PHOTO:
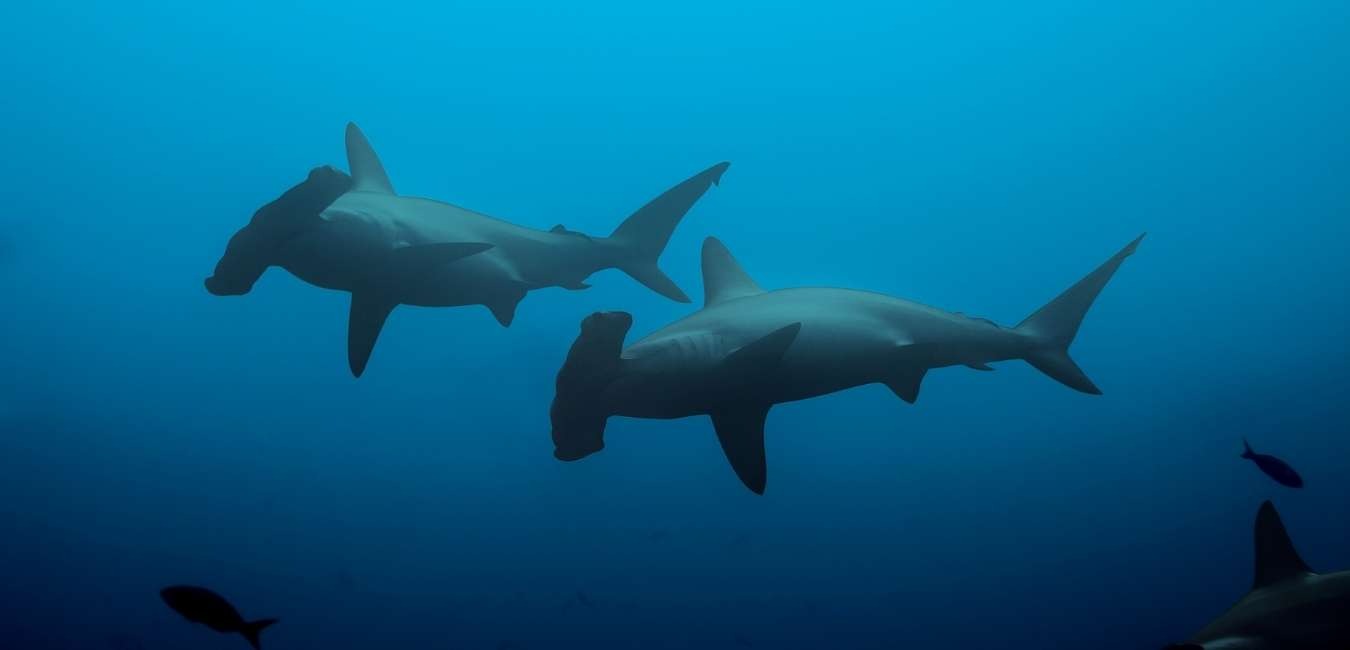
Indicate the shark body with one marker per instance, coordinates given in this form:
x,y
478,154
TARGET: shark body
x,y
1288,608
749,349
357,235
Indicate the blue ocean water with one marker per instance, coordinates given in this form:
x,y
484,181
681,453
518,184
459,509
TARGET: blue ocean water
x,y
978,157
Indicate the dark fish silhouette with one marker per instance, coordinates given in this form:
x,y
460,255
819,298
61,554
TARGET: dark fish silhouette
x,y
208,608
1273,467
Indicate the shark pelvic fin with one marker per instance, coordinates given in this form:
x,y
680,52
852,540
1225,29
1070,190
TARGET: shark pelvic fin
x,y
504,307
1276,558
905,385
740,430
367,172
723,277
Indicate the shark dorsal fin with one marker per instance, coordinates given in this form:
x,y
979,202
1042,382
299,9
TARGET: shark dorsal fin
x,y
723,278
1276,559
367,172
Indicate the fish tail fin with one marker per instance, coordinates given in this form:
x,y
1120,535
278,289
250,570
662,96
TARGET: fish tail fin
x,y
1055,325
642,237
1247,449
252,629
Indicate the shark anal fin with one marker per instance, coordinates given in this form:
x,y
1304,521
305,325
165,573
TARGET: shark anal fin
x,y
368,313
723,277
1276,558
367,172
905,385
740,430
764,352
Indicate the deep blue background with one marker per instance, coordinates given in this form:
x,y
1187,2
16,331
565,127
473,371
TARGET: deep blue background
x,y
975,157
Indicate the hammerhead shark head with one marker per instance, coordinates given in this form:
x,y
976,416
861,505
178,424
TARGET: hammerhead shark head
x,y
749,349
1289,606
355,234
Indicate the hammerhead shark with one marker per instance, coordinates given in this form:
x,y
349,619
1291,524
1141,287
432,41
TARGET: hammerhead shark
x,y
749,349
356,234
1289,606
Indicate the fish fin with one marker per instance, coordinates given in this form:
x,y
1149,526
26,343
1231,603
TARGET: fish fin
x,y
576,286
504,308
905,385
425,258
1276,558
1247,449
644,234
984,367
765,351
252,629
741,432
652,277
723,277
369,311
367,172
1055,325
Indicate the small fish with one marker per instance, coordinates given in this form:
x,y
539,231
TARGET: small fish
x,y
1275,468
204,606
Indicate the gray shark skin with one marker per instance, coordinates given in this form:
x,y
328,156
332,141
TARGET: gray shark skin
x,y
358,235
1289,606
749,349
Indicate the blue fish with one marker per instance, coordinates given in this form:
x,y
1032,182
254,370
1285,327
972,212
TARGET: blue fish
x,y
1273,467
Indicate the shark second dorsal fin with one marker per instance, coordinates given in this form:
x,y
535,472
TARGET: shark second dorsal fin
x,y
1276,559
723,277
367,172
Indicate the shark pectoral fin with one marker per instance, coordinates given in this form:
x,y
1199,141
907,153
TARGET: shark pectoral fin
x,y
905,385
364,322
1276,558
980,366
764,352
425,258
741,432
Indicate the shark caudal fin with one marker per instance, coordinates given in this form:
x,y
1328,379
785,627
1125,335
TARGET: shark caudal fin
x,y
1055,325
252,629
644,234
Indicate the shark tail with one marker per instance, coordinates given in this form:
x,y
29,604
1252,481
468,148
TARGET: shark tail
x,y
643,236
1055,325
252,629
